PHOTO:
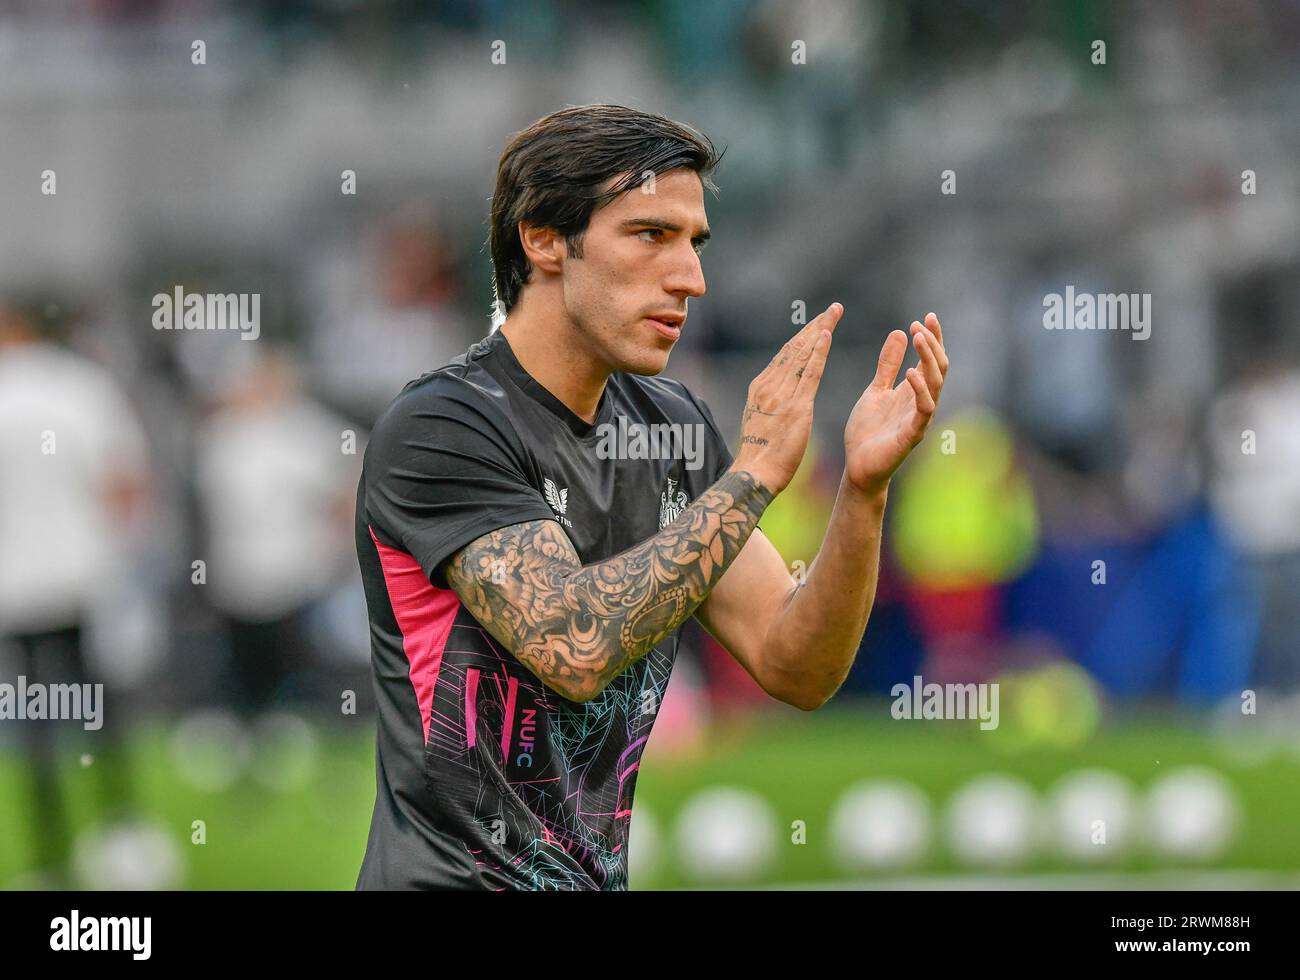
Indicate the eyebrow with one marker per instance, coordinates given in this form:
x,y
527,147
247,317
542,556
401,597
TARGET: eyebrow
x,y
703,236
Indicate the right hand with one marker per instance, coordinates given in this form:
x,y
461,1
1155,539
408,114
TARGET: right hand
x,y
778,415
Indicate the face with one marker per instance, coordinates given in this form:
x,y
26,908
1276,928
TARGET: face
x,y
640,261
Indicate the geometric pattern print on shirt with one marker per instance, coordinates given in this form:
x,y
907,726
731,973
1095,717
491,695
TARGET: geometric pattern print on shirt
x,y
551,797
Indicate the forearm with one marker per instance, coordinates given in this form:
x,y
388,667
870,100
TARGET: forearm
x,y
810,645
577,627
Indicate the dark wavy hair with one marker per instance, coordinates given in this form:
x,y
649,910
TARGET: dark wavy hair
x,y
551,175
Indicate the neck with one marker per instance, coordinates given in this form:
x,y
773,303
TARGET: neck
x,y
551,351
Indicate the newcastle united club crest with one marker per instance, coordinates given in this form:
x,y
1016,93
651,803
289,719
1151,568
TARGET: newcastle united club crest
x,y
671,504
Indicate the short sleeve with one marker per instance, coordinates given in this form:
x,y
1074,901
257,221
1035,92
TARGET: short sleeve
x,y
443,468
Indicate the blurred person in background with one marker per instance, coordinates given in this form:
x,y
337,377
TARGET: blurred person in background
x,y
275,472
1134,578
73,470
382,316
1182,617
964,525
1253,432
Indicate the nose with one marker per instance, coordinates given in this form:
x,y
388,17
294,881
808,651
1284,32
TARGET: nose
x,y
687,276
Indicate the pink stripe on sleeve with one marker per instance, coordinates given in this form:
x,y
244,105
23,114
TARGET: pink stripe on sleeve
x,y
425,615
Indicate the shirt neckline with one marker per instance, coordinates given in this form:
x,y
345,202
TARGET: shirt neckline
x,y
535,390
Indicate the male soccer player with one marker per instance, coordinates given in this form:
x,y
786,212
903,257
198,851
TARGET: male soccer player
x,y
526,591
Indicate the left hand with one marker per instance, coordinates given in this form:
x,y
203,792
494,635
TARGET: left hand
x,y
888,421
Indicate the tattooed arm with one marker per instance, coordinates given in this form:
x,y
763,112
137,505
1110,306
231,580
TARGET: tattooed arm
x,y
577,627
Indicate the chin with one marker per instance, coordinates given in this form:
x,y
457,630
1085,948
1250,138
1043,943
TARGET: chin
x,y
646,363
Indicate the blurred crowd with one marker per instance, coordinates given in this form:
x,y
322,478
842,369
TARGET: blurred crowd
x,y
176,508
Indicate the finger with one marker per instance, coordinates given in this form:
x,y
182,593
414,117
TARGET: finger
x,y
924,401
798,364
891,359
941,355
812,372
793,358
932,322
827,319
807,334
925,345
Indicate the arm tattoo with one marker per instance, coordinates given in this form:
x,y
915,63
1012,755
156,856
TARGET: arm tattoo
x,y
577,627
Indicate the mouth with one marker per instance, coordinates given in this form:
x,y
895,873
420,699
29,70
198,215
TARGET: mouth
x,y
669,325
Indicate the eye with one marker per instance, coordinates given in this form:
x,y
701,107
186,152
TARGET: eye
x,y
651,231
699,245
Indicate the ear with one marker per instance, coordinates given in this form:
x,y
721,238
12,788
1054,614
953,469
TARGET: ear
x,y
544,247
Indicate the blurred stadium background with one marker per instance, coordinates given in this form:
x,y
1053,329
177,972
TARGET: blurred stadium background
x,y
237,746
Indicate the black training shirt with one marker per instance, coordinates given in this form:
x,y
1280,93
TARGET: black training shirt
x,y
485,777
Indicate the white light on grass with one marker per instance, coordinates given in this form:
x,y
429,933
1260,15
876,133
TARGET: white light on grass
x,y
1093,815
1192,813
993,820
135,856
726,833
880,825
